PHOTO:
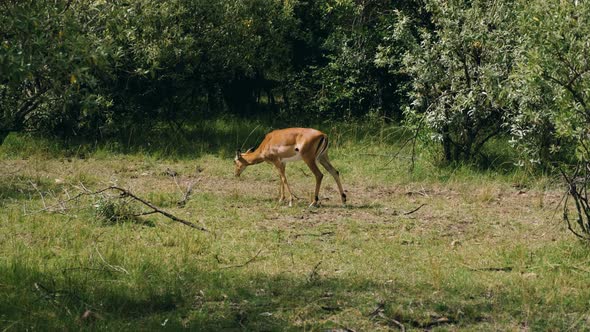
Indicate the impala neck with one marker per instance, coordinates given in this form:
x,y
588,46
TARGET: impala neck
x,y
253,157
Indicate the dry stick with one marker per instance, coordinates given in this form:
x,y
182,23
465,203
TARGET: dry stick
x,y
416,209
302,171
311,234
314,272
395,322
40,194
187,193
245,263
126,192
107,264
53,208
493,269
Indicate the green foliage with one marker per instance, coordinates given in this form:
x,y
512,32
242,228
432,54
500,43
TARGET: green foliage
x,y
551,82
458,72
463,72
98,69
48,68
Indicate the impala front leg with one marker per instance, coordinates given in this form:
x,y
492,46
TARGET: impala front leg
x,y
281,168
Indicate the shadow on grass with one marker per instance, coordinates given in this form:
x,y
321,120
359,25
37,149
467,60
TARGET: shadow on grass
x,y
227,299
23,188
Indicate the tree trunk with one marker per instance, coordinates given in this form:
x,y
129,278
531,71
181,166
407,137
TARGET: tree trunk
x,y
3,135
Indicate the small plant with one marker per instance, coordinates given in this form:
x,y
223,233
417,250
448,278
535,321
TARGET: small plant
x,y
114,210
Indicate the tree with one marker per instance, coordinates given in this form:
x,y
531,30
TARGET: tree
x,y
458,71
551,87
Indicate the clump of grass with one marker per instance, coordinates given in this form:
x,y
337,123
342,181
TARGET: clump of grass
x,y
115,211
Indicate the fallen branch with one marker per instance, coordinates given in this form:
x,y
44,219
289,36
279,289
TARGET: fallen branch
x,y
124,193
314,272
187,193
40,194
393,321
243,264
302,171
378,312
491,269
311,234
127,193
416,209
115,268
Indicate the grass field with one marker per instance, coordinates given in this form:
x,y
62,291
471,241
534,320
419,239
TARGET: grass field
x,y
439,249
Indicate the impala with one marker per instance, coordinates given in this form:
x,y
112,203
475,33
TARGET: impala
x,y
292,144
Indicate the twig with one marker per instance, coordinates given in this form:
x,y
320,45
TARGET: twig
x,y
61,204
113,267
243,264
378,312
314,272
126,192
311,234
416,209
187,193
40,194
492,269
302,171
145,213
395,322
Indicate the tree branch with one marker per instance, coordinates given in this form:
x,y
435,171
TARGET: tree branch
x,y
126,192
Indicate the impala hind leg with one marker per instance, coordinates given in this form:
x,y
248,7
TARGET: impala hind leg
x,y
325,161
318,180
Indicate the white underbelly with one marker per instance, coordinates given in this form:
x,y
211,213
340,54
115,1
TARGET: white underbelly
x,y
294,158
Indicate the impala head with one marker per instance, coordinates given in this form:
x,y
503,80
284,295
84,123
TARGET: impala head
x,y
241,163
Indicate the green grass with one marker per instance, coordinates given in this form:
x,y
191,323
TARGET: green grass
x,y
486,252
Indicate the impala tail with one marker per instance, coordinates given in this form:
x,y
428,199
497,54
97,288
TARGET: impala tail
x,y
322,147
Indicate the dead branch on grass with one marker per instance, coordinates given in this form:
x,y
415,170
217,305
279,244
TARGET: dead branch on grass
x,y
313,275
312,234
187,193
414,210
124,193
393,321
40,193
189,188
490,269
378,312
115,268
302,171
127,193
253,258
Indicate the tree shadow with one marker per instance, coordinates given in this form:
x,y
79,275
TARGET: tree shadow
x,y
227,299
23,188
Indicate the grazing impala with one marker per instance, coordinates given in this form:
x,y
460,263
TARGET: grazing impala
x,y
291,144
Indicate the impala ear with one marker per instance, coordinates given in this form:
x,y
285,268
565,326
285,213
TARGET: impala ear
x,y
238,154
250,150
